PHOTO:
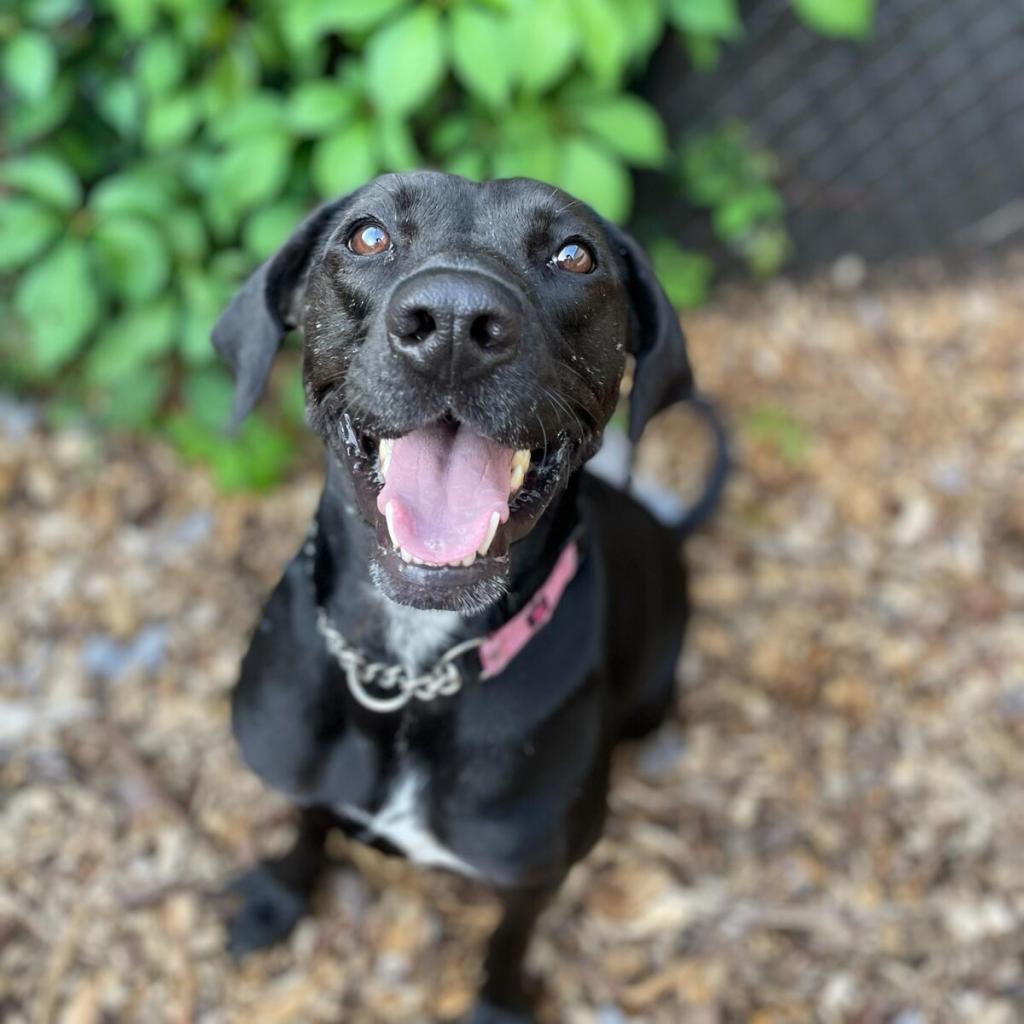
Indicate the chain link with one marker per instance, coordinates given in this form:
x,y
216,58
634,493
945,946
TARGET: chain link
x,y
399,685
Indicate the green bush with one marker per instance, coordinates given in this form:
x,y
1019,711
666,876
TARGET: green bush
x,y
157,149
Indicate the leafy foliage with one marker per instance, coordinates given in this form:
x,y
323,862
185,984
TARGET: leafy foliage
x,y
157,149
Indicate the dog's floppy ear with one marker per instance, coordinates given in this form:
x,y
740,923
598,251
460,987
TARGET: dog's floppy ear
x,y
249,332
662,374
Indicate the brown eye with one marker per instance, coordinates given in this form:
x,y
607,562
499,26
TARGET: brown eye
x,y
574,257
369,239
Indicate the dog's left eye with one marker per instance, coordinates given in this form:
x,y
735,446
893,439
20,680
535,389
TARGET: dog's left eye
x,y
574,257
369,239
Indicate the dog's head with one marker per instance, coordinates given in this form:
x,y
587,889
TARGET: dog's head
x,y
464,346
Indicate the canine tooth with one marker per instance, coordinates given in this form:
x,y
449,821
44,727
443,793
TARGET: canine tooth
x,y
406,557
389,515
492,529
518,475
469,560
522,458
384,454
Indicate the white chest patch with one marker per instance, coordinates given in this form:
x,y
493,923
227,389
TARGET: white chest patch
x,y
401,821
416,638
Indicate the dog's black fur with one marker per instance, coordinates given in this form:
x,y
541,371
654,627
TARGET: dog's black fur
x,y
511,772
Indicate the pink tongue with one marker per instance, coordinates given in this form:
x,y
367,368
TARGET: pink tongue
x,y
443,483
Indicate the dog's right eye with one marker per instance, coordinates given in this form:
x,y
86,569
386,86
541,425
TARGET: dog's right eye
x,y
368,240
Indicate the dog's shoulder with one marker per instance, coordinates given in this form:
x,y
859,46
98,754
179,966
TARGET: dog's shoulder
x,y
279,715
619,520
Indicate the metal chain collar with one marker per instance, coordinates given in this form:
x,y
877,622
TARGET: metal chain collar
x,y
399,685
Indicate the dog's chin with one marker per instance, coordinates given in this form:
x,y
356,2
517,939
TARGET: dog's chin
x,y
466,582
468,590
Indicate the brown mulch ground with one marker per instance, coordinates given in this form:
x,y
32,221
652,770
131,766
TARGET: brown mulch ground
x,y
835,834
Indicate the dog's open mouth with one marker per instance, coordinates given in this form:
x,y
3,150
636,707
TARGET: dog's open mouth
x,y
446,491
448,498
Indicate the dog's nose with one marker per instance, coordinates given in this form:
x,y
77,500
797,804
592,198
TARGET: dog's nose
x,y
456,324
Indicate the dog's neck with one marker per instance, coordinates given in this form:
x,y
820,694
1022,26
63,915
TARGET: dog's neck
x,y
412,637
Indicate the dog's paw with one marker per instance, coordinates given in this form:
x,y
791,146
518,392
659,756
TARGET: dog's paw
x,y
486,1012
267,912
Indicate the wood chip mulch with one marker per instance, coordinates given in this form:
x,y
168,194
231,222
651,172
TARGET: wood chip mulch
x,y
832,830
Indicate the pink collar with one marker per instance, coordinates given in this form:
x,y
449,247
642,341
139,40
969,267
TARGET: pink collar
x,y
501,646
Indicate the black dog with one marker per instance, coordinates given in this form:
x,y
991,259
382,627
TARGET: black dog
x,y
473,624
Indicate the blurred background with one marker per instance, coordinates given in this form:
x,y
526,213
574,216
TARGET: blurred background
x,y
832,193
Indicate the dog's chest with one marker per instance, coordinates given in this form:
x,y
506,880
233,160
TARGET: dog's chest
x,y
402,821
415,639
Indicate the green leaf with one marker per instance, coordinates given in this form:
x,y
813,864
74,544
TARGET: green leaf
x,y
719,18
51,12
703,51
305,21
132,191
537,159
546,31
291,399
57,301
605,32
257,458
259,461
43,176
268,228
118,102
131,341
160,65
26,229
230,80
451,133
468,164
775,426
841,18
29,120
171,120
134,400
405,61
206,295
315,107
186,233
396,147
253,171
685,276
589,172
745,210
134,17
766,249
30,64
647,26
261,113
480,54
209,396
628,126
131,256
344,161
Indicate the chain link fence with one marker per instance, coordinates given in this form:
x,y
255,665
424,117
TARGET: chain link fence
x,y
909,144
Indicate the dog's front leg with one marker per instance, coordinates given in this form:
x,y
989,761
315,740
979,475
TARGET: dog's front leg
x,y
507,996
275,893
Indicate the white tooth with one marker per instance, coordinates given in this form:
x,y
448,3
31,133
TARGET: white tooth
x,y
522,458
469,559
517,478
406,557
492,529
417,561
384,454
389,515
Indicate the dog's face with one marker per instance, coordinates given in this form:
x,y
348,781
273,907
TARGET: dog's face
x,y
463,349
